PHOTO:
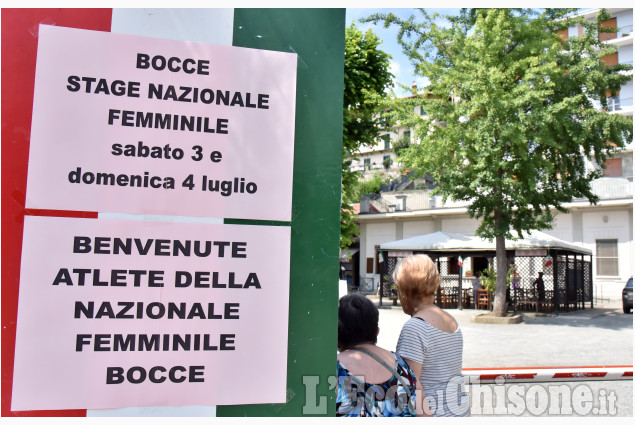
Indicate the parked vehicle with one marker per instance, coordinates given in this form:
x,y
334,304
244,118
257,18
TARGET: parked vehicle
x,y
627,296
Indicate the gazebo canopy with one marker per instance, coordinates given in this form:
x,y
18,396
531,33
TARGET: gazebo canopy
x,y
454,242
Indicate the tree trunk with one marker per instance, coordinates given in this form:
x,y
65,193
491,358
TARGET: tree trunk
x,y
500,301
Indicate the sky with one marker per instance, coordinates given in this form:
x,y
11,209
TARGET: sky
x,y
400,67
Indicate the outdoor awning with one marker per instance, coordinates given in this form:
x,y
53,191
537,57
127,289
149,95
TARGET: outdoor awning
x,y
437,241
454,242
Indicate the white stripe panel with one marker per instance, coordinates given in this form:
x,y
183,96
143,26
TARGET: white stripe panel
x,y
152,217
611,373
214,26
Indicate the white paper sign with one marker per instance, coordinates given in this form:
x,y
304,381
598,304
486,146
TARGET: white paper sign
x,y
131,124
126,313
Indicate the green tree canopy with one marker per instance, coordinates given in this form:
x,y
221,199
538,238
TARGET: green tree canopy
x,y
401,145
366,77
511,119
369,187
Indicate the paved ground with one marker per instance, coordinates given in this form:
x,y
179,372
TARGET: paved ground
x,y
592,337
602,336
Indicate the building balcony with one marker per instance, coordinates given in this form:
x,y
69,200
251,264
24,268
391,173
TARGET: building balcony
x,y
623,36
613,187
606,188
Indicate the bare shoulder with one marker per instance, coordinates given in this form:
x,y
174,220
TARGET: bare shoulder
x,y
365,367
348,356
354,355
440,319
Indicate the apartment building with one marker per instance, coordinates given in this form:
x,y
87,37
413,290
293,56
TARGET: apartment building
x,y
381,158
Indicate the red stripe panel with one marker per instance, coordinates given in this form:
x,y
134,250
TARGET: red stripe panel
x,y
545,367
580,375
60,213
492,377
19,49
628,373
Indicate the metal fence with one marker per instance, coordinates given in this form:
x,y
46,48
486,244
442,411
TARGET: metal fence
x,y
566,285
566,282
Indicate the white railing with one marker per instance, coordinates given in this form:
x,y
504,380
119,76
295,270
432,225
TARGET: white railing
x,y
612,187
624,31
415,200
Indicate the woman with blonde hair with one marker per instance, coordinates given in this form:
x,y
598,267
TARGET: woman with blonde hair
x,y
431,341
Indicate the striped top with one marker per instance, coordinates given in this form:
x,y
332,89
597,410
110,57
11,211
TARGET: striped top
x,y
441,356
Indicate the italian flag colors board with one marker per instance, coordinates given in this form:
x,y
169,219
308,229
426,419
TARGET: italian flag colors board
x,y
316,38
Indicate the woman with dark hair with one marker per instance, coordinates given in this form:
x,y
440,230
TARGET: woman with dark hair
x,y
431,341
371,381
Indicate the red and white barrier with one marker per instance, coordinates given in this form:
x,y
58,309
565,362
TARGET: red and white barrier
x,y
549,374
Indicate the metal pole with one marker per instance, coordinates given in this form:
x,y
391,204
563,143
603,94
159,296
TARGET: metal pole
x,y
591,278
556,297
460,298
381,283
577,281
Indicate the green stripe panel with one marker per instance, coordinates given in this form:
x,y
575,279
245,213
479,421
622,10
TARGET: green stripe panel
x,y
317,36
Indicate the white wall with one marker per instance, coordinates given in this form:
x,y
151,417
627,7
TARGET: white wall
x,y
562,227
626,93
625,54
376,234
417,228
624,18
464,225
615,227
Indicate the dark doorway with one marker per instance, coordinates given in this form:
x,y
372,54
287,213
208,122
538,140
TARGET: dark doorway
x,y
479,264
